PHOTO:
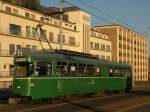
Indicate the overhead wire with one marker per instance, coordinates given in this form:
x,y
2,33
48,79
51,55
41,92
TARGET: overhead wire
x,y
121,22
107,21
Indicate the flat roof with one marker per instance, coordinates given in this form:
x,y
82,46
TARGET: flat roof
x,y
50,11
118,25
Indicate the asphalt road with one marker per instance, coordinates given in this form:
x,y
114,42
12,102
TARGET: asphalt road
x,y
138,100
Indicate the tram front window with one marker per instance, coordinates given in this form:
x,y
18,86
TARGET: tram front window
x,y
23,69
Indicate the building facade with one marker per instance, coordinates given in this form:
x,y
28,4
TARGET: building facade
x,y
129,47
100,45
18,28
149,69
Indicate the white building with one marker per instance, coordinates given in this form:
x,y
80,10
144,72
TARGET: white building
x,y
18,21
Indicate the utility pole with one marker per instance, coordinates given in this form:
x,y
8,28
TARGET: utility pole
x,y
61,28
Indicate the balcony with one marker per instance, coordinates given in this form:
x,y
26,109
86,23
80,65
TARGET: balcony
x,y
23,34
27,35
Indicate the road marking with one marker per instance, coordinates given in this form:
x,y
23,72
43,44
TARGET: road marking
x,y
133,107
60,104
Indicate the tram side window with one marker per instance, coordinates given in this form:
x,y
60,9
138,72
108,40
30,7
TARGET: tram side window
x,y
81,70
42,69
110,72
122,72
72,69
116,72
119,72
88,70
128,73
97,71
62,69
125,72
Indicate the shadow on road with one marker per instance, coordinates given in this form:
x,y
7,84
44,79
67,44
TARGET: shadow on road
x,y
88,107
140,92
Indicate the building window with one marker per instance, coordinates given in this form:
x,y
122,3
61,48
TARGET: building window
x,y
55,23
72,40
11,49
124,39
27,15
63,38
70,25
33,32
96,46
51,38
34,47
128,47
120,45
92,47
14,29
135,42
42,34
94,34
120,54
15,11
18,46
128,40
103,47
103,57
75,28
124,54
124,46
28,46
108,57
8,9
28,28
108,48
0,47
120,37
66,24
32,16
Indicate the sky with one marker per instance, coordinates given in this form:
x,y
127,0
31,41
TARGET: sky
x,y
134,13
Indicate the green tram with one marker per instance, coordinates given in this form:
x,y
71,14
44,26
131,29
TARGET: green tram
x,y
43,74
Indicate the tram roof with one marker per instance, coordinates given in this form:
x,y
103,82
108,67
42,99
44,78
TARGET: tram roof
x,y
88,58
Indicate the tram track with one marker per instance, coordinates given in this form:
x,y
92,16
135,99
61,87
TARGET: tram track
x,y
94,103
